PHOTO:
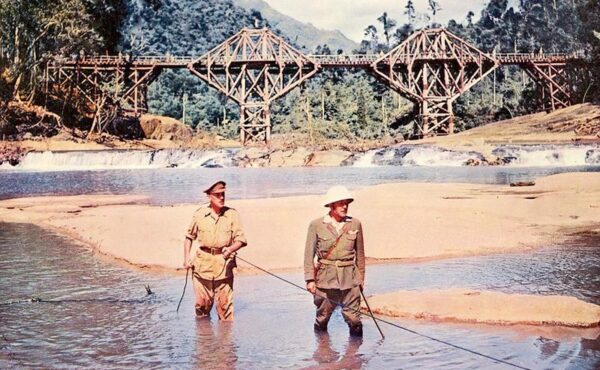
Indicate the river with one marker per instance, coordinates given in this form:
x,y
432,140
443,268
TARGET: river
x,y
89,311
96,314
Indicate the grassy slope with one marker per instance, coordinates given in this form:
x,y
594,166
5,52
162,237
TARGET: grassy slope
x,y
573,124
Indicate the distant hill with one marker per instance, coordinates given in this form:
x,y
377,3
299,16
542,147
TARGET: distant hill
x,y
304,34
180,27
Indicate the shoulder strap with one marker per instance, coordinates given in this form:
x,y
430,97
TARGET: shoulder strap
x,y
337,240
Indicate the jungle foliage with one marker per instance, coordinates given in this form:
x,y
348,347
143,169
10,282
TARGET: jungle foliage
x,y
334,104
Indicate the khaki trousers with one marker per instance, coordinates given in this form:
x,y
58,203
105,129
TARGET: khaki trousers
x,y
206,292
350,298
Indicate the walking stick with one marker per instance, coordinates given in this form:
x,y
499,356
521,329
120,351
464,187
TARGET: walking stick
x,y
371,313
187,272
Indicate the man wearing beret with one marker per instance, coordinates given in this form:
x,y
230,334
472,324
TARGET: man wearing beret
x,y
334,262
218,230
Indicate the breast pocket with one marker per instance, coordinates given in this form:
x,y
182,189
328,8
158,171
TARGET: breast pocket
x,y
204,234
324,242
350,239
224,237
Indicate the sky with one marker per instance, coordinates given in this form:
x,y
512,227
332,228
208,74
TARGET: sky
x,y
353,16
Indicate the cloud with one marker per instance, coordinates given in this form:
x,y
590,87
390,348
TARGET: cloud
x,y
353,16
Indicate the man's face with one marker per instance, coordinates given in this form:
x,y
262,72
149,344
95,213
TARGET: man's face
x,y
217,199
339,209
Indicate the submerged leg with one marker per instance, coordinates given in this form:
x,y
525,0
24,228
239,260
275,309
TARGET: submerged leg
x,y
204,292
324,307
224,294
350,311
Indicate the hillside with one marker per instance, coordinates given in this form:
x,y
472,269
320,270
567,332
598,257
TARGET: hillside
x,y
303,34
578,123
182,27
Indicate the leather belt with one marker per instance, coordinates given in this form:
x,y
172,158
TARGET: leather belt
x,y
337,263
213,251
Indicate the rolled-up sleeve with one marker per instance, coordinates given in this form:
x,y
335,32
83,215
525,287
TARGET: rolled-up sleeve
x,y
236,229
309,253
192,230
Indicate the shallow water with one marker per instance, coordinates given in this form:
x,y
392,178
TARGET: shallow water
x,y
170,186
96,314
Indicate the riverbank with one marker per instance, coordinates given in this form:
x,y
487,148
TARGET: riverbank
x,y
487,307
579,124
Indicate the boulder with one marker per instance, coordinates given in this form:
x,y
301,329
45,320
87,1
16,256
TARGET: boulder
x,y
164,128
472,162
126,127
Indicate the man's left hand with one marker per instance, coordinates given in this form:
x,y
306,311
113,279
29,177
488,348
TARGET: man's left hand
x,y
226,253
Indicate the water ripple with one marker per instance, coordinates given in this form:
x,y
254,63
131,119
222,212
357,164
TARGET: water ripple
x,y
97,316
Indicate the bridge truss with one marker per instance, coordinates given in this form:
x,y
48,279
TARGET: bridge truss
x,y
432,68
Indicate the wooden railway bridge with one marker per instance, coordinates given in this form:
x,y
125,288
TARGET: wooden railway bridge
x,y
432,68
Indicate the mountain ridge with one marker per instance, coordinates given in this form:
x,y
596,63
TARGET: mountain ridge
x,y
305,35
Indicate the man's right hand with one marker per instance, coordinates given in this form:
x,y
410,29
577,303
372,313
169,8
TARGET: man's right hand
x,y
311,287
186,265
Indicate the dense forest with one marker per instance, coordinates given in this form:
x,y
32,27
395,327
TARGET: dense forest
x,y
345,104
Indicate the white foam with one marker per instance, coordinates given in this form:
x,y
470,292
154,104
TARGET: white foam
x,y
556,156
122,159
431,156
366,159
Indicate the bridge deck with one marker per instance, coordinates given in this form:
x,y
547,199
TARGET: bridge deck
x,y
342,60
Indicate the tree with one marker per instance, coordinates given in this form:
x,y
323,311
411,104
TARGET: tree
x,y
434,7
32,32
372,38
410,12
388,25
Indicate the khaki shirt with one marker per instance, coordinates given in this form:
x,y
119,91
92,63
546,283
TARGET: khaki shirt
x,y
215,232
350,247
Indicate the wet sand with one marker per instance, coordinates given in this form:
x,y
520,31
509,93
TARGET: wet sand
x,y
402,222
471,306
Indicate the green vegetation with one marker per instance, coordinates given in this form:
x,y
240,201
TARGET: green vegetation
x,y
334,104
33,31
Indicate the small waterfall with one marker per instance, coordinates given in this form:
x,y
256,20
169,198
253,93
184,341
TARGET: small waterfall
x,y
124,159
366,159
433,156
415,155
399,155
512,155
549,155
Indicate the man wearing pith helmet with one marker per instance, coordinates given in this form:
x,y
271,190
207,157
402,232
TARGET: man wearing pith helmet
x,y
218,232
334,261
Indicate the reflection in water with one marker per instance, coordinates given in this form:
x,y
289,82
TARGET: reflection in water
x,y
100,317
214,345
328,358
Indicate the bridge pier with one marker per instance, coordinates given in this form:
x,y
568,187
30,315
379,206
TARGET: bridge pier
x,y
255,122
553,82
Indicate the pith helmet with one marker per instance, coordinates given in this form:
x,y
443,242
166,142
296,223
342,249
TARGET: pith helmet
x,y
217,187
336,193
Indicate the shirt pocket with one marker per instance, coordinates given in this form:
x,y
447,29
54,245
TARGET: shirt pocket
x,y
350,240
224,237
324,242
204,235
